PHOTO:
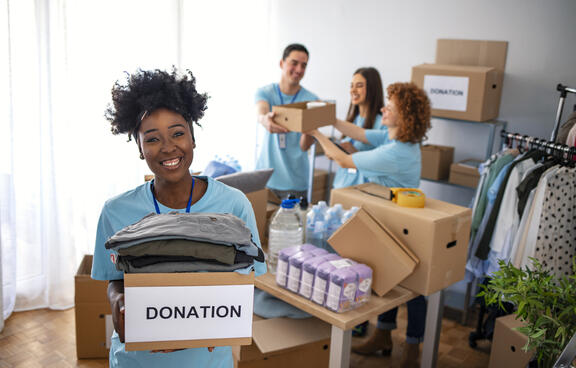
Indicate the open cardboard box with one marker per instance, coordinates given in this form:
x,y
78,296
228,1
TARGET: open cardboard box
x,y
187,310
296,117
437,234
285,343
390,260
93,315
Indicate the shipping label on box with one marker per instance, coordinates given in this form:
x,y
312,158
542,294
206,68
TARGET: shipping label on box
x,y
437,234
447,92
188,310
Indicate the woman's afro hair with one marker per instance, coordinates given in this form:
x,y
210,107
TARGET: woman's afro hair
x,y
148,90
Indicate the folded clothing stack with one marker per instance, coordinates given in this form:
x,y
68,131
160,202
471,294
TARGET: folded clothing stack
x,y
185,242
337,283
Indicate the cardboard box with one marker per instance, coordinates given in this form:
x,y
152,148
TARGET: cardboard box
x,y
297,118
437,234
462,91
259,201
465,173
187,310
436,161
507,344
286,343
388,271
93,313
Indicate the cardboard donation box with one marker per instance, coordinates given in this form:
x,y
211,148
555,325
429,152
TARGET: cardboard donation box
x,y
297,117
93,315
465,173
187,310
507,344
397,262
285,343
437,234
259,201
466,80
436,161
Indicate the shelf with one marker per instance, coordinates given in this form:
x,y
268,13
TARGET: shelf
x,y
445,182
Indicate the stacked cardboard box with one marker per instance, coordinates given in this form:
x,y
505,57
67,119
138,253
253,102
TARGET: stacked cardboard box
x,y
466,80
465,173
93,314
436,161
437,235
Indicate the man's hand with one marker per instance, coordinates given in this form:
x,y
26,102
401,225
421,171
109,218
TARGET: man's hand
x,y
267,120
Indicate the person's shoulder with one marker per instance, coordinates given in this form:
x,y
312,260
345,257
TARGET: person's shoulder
x,y
269,88
307,94
222,189
127,198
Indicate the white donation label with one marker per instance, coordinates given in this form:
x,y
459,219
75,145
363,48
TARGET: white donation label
x,y
188,312
447,92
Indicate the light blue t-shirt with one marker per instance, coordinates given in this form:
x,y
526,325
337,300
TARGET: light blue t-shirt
x,y
391,163
130,207
290,164
348,177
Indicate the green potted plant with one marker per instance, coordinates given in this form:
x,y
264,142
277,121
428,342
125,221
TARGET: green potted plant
x,y
545,303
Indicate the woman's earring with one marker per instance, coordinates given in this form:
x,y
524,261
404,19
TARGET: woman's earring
x,y
141,156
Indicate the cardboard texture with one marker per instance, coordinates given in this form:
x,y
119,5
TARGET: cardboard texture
x,y
285,343
168,280
436,161
485,86
297,118
507,344
465,173
388,271
437,234
259,201
91,309
483,93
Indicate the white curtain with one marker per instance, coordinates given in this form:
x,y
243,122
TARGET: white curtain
x,y
59,60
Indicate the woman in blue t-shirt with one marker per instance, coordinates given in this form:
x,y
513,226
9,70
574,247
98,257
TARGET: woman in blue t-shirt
x,y
395,162
158,109
366,101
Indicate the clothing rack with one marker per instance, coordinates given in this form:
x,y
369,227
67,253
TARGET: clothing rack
x,y
563,93
562,151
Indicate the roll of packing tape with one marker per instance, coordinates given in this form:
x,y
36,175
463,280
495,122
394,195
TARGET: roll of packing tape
x,y
313,104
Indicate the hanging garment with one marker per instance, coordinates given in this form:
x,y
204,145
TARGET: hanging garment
x,y
571,140
564,130
556,240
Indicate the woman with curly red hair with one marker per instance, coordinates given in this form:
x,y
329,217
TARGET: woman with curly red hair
x,y
395,162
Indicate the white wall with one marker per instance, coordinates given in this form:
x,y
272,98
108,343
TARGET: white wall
x,y
393,36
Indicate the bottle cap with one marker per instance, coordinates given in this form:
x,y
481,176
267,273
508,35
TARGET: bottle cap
x,y
289,203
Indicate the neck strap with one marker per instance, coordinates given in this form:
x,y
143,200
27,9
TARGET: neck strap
x,y
280,94
156,202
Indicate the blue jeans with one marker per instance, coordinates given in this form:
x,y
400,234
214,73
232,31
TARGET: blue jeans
x,y
416,320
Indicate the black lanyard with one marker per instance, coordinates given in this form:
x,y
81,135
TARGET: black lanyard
x,y
156,202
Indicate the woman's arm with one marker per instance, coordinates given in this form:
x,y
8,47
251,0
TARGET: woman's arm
x,y
342,158
306,141
116,298
351,130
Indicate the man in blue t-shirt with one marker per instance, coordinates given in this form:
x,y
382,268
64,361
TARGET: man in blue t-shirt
x,y
282,150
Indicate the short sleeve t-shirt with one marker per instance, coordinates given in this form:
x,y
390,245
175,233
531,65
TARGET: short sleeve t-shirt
x,y
392,163
348,177
290,164
130,207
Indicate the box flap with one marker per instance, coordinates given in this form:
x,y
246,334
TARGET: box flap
x,y
435,147
390,260
85,267
472,52
280,334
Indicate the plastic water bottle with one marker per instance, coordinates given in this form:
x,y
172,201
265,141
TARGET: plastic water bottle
x,y
285,231
333,222
349,213
315,226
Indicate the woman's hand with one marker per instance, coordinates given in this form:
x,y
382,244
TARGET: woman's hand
x,y
348,146
116,298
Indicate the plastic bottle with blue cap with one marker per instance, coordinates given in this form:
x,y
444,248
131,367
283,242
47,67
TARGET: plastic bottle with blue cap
x,y
285,231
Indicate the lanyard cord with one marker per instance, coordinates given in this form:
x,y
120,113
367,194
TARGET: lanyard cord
x,y
156,202
280,94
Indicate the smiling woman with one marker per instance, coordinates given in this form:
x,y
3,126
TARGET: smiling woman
x,y
158,109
